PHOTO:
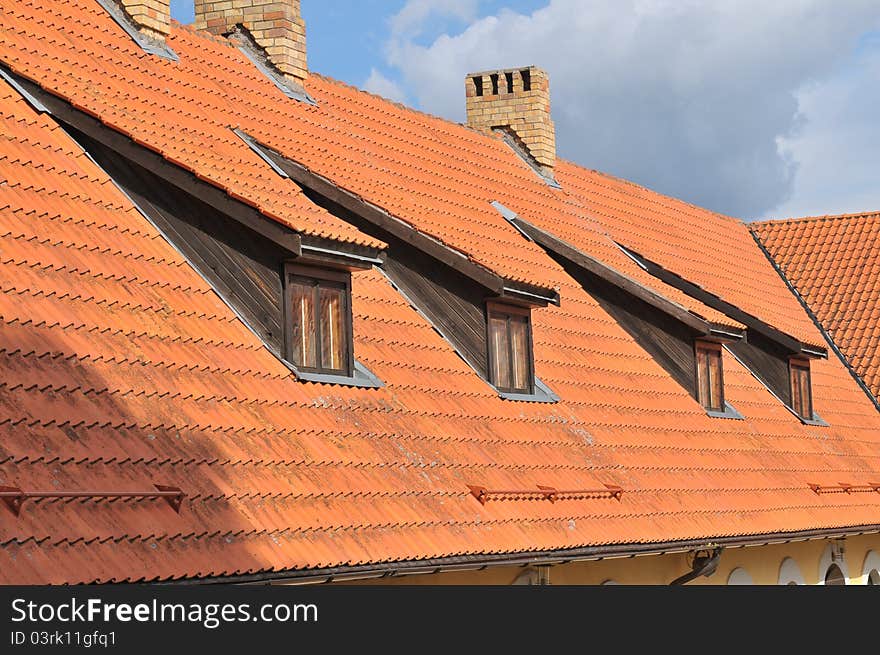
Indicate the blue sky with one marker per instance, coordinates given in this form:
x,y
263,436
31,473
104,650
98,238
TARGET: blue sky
x,y
346,27
751,108
349,36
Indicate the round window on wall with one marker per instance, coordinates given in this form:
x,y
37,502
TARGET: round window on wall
x,y
871,568
739,576
790,573
834,576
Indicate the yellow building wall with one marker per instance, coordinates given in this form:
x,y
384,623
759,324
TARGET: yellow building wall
x,y
762,565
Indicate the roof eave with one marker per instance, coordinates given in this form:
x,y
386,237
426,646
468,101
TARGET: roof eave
x,y
381,218
543,558
236,207
605,272
790,343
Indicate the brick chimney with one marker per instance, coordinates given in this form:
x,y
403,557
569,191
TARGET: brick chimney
x,y
516,101
152,17
276,26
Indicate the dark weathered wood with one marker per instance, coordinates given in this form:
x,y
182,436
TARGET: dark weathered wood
x,y
494,309
293,270
388,223
174,175
753,323
669,341
768,361
701,349
242,265
452,302
515,291
604,272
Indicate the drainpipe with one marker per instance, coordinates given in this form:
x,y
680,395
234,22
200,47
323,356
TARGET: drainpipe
x,y
543,575
705,563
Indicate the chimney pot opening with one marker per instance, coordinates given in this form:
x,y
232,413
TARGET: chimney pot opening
x,y
520,105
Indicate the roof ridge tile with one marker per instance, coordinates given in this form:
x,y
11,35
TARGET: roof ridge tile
x,y
818,218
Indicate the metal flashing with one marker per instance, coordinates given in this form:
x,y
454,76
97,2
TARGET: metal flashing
x,y
38,106
342,255
554,300
626,251
259,152
728,413
541,394
361,377
523,154
725,333
816,420
248,49
151,46
510,216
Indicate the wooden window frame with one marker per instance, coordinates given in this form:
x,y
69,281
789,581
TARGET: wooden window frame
x,y
497,310
800,364
701,346
329,278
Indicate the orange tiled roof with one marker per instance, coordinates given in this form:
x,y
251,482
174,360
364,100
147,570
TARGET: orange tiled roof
x,y
712,251
417,167
834,263
122,368
100,79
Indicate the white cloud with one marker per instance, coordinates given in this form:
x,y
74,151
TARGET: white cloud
x,y
686,96
838,148
411,19
387,88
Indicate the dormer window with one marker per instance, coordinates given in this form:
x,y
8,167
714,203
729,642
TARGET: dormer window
x,y
710,376
318,313
510,348
801,388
